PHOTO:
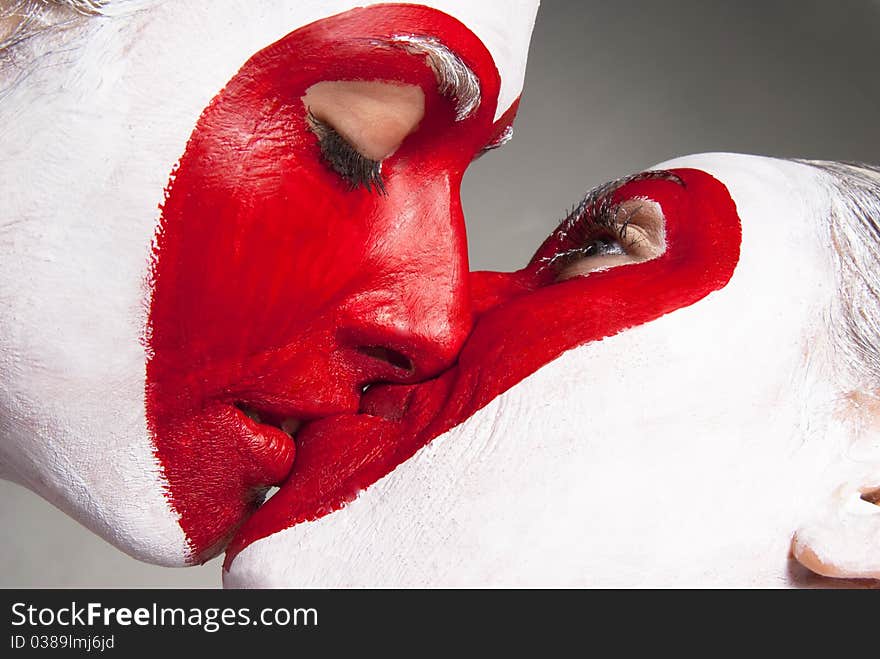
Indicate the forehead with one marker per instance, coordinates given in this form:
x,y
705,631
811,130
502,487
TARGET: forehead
x,y
505,28
775,198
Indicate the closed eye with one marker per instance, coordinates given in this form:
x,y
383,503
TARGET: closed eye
x,y
633,232
361,123
358,170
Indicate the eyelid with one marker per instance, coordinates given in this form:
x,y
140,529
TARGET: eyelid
x,y
321,127
373,116
648,220
344,159
640,216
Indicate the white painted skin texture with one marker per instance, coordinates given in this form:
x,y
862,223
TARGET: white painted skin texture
x,y
91,127
683,452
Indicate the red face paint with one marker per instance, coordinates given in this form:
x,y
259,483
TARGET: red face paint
x,y
524,321
278,288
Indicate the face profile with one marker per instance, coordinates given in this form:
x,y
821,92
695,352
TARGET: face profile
x,y
263,281
270,224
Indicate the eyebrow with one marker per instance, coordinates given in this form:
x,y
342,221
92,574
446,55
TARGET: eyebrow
x,y
455,79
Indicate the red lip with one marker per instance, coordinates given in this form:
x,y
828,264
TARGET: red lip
x,y
271,449
524,323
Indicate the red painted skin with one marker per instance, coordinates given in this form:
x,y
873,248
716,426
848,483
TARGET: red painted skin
x,y
271,277
524,320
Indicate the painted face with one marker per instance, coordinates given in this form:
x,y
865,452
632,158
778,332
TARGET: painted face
x,y
164,342
651,401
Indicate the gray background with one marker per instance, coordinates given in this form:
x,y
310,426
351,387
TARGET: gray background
x,y
612,88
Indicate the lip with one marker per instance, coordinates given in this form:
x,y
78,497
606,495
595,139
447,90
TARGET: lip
x,y
332,457
271,448
268,426
523,323
338,456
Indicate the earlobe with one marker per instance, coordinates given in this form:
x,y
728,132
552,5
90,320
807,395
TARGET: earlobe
x,y
843,539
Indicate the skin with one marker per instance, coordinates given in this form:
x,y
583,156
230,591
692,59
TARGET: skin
x,y
470,529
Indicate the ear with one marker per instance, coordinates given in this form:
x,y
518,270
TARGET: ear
x,y
843,537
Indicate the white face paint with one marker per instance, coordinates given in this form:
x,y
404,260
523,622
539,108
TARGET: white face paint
x,y
683,452
90,135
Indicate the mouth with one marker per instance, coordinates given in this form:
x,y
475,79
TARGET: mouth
x,y
270,428
340,455
286,424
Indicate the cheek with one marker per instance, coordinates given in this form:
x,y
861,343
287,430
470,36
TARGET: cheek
x,y
74,422
240,276
653,437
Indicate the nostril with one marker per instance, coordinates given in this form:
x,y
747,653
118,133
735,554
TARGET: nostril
x,y
396,359
872,496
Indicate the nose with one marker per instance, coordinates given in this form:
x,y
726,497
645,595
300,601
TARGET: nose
x,y
412,333
411,316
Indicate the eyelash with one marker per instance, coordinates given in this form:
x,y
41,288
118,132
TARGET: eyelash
x,y
358,170
583,226
597,216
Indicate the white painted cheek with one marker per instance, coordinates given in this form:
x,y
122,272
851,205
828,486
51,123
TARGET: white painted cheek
x,y
681,452
89,153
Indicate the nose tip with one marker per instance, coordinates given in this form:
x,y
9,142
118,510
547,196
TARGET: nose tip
x,y
408,310
407,339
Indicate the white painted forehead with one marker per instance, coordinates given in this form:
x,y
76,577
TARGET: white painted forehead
x,y
759,184
729,167
504,27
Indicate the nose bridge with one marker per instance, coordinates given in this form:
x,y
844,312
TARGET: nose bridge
x,y
416,302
